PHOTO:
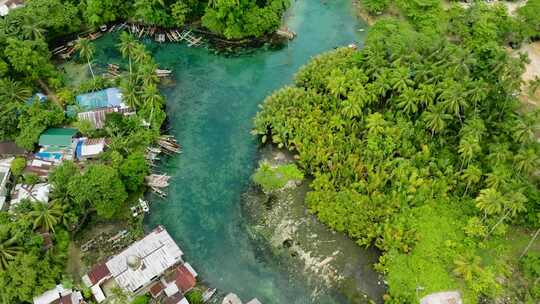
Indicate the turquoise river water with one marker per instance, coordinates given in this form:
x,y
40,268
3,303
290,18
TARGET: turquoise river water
x,y
211,107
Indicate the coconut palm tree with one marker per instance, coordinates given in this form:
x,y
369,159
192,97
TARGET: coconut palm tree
x,y
129,92
490,201
376,123
513,203
45,216
127,46
31,29
436,118
139,54
86,50
351,107
147,74
408,101
8,250
471,175
498,177
467,267
152,98
11,90
527,160
468,148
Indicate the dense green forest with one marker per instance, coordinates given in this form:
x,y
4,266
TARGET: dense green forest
x,y
418,146
232,19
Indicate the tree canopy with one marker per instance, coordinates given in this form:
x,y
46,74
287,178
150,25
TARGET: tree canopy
x,y
413,141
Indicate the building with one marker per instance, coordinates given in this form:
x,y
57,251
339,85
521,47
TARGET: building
x,y
5,173
38,97
10,148
8,5
88,148
60,295
97,117
39,167
57,144
108,98
153,261
33,193
175,284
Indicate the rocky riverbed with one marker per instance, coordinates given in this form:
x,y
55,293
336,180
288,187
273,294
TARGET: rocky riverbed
x,y
329,260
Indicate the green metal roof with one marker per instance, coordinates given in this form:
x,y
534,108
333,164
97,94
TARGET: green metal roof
x,y
57,137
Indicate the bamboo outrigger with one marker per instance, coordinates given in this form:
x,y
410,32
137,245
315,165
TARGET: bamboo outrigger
x,y
157,182
168,143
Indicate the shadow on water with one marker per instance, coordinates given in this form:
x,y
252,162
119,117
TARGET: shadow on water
x,y
210,108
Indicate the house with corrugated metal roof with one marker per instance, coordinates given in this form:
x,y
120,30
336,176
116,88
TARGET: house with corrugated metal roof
x,y
10,148
108,98
57,144
60,295
34,193
94,107
88,148
152,265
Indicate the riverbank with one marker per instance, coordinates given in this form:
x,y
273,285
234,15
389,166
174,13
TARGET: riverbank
x,y
330,260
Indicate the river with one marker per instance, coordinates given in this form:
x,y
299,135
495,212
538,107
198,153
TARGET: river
x,y
211,107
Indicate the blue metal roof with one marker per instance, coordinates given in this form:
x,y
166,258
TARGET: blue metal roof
x,y
107,98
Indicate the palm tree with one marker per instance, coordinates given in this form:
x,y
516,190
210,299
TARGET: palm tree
x,y
468,148
375,123
152,99
471,175
527,160
400,79
408,101
8,250
426,94
31,29
129,93
436,118
498,177
467,267
351,107
139,54
453,102
490,201
526,128
86,50
11,90
147,74
513,203
127,46
45,216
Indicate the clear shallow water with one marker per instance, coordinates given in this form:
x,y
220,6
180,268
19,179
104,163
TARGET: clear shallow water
x,y
210,110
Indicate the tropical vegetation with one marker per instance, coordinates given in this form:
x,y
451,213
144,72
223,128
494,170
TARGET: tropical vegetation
x,y
418,146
